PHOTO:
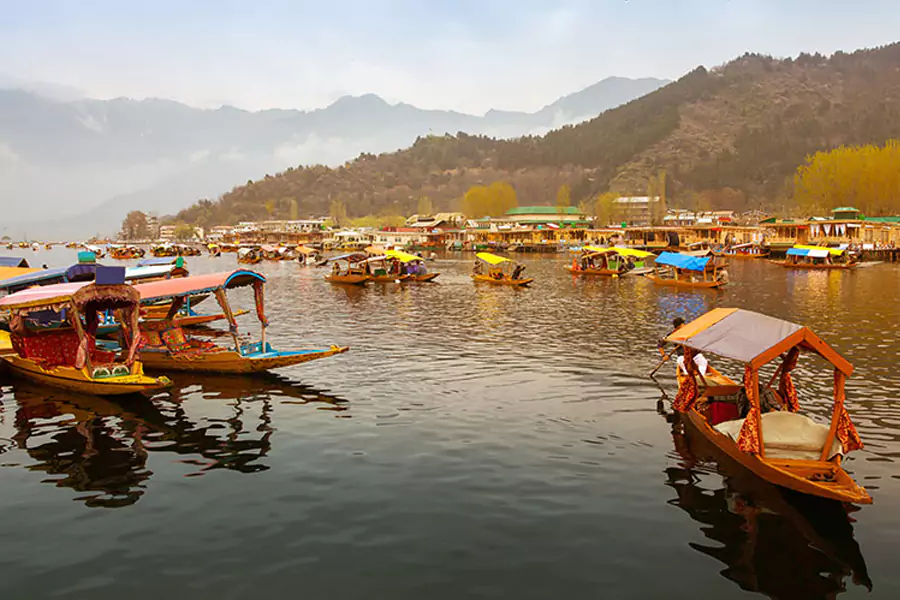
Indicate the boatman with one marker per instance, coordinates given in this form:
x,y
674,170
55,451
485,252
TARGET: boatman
x,y
699,359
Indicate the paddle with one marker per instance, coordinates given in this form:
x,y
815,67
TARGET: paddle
x,y
664,359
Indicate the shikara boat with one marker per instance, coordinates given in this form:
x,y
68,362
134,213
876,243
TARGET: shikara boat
x,y
249,256
166,347
412,265
817,257
500,270
52,331
348,269
681,270
769,437
607,262
307,256
700,248
126,252
382,270
749,250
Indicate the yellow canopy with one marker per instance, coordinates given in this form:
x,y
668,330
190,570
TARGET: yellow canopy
x,y
492,259
832,251
402,256
620,251
10,272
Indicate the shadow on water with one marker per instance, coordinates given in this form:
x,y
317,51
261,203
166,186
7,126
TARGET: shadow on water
x,y
773,541
100,446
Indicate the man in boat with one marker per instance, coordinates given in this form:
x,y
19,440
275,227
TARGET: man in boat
x,y
699,360
518,272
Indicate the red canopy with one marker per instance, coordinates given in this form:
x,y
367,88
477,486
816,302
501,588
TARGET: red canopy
x,y
196,284
41,295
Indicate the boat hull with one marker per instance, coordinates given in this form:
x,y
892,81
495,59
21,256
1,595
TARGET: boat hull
x,y
423,278
77,380
698,285
388,278
504,281
231,362
347,279
789,265
594,272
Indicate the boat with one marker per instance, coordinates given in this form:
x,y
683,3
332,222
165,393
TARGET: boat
x,y
749,250
214,250
699,248
772,439
609,262
126,252
682,270
249,256
382,270
307,256
277,253
52,331
501,271
817,257
168,348
413,265
348,269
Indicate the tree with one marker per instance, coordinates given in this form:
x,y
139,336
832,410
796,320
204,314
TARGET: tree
x,y
425,206
134,227
184,232
294,210
605,209
563,196
270,207
338,213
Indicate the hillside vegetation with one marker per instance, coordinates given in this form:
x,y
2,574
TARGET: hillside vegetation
x,y
734,134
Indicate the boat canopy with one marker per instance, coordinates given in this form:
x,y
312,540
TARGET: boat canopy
x,y
813,251
492,259
682,261
152,272
376,259
10,272
402,256
13,261
162,260
305,250
350,257
77,272
80,294
740,246
620,251
197,284
752,338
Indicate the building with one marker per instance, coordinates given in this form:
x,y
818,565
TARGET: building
x,y
437,221
167,233
538,215
636,210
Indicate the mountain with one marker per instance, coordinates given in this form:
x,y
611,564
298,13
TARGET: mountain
x,y
729,137
76,167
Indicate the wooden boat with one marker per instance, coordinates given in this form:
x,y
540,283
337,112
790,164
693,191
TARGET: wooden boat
x,y
249,256
684,271
781,446
816,257
348,269
126,252
412,265
307,256
67,357
749,250
607,262
382,270
500,271
166,346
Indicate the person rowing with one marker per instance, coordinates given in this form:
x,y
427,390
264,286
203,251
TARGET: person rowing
x,y
699,360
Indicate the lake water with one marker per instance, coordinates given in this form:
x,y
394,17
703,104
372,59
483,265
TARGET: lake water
x,y
475,441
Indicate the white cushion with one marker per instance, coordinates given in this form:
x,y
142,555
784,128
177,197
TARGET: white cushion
x,y
787,435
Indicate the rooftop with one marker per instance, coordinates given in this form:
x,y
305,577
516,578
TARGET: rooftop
x,y
543,210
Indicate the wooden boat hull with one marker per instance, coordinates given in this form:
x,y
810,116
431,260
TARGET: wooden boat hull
x,y
77,380
594,272
790,265
741,256
791,474
231,362
504,281
700,285
347,279
388,278
423,278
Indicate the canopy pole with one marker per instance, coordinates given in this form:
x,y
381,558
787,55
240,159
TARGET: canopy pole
x,y
839,379
222,299
83,357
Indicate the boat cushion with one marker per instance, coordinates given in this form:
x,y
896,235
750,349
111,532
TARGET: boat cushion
x,y
787,435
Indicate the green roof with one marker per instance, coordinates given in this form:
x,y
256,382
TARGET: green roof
x,y
845,209
884,219
543,210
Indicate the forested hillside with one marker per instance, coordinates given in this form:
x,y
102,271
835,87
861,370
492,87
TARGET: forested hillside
x,y
734,134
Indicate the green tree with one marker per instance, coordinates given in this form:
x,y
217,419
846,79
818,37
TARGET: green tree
x,y
294,210
184,232
134,227
338,213
270,207
563,196
425,206
605,209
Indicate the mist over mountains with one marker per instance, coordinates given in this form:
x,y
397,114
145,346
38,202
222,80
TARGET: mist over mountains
x,y
75,167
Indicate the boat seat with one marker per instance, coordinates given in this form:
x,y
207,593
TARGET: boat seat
x,y
787,435
57,349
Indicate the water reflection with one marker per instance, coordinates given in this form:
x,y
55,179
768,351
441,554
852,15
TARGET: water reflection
x,y
100,446
772,541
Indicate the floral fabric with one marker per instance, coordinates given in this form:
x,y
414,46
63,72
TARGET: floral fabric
x,y
687,391
748,441
786,388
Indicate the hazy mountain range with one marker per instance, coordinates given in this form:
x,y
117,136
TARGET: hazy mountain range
x,y
75,167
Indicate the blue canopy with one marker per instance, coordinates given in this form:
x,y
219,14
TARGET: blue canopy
x,y
155,262
682,261
797,252
13,261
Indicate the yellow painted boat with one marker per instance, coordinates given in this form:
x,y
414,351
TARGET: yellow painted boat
x,y
501,280
67,357
500,271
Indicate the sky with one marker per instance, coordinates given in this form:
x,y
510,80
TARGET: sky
x,y
465,55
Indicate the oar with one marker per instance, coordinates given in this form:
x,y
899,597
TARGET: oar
x,y
663,361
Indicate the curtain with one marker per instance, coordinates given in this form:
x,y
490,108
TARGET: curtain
x,y
845,431
687,391
786,388
259,296
749,440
